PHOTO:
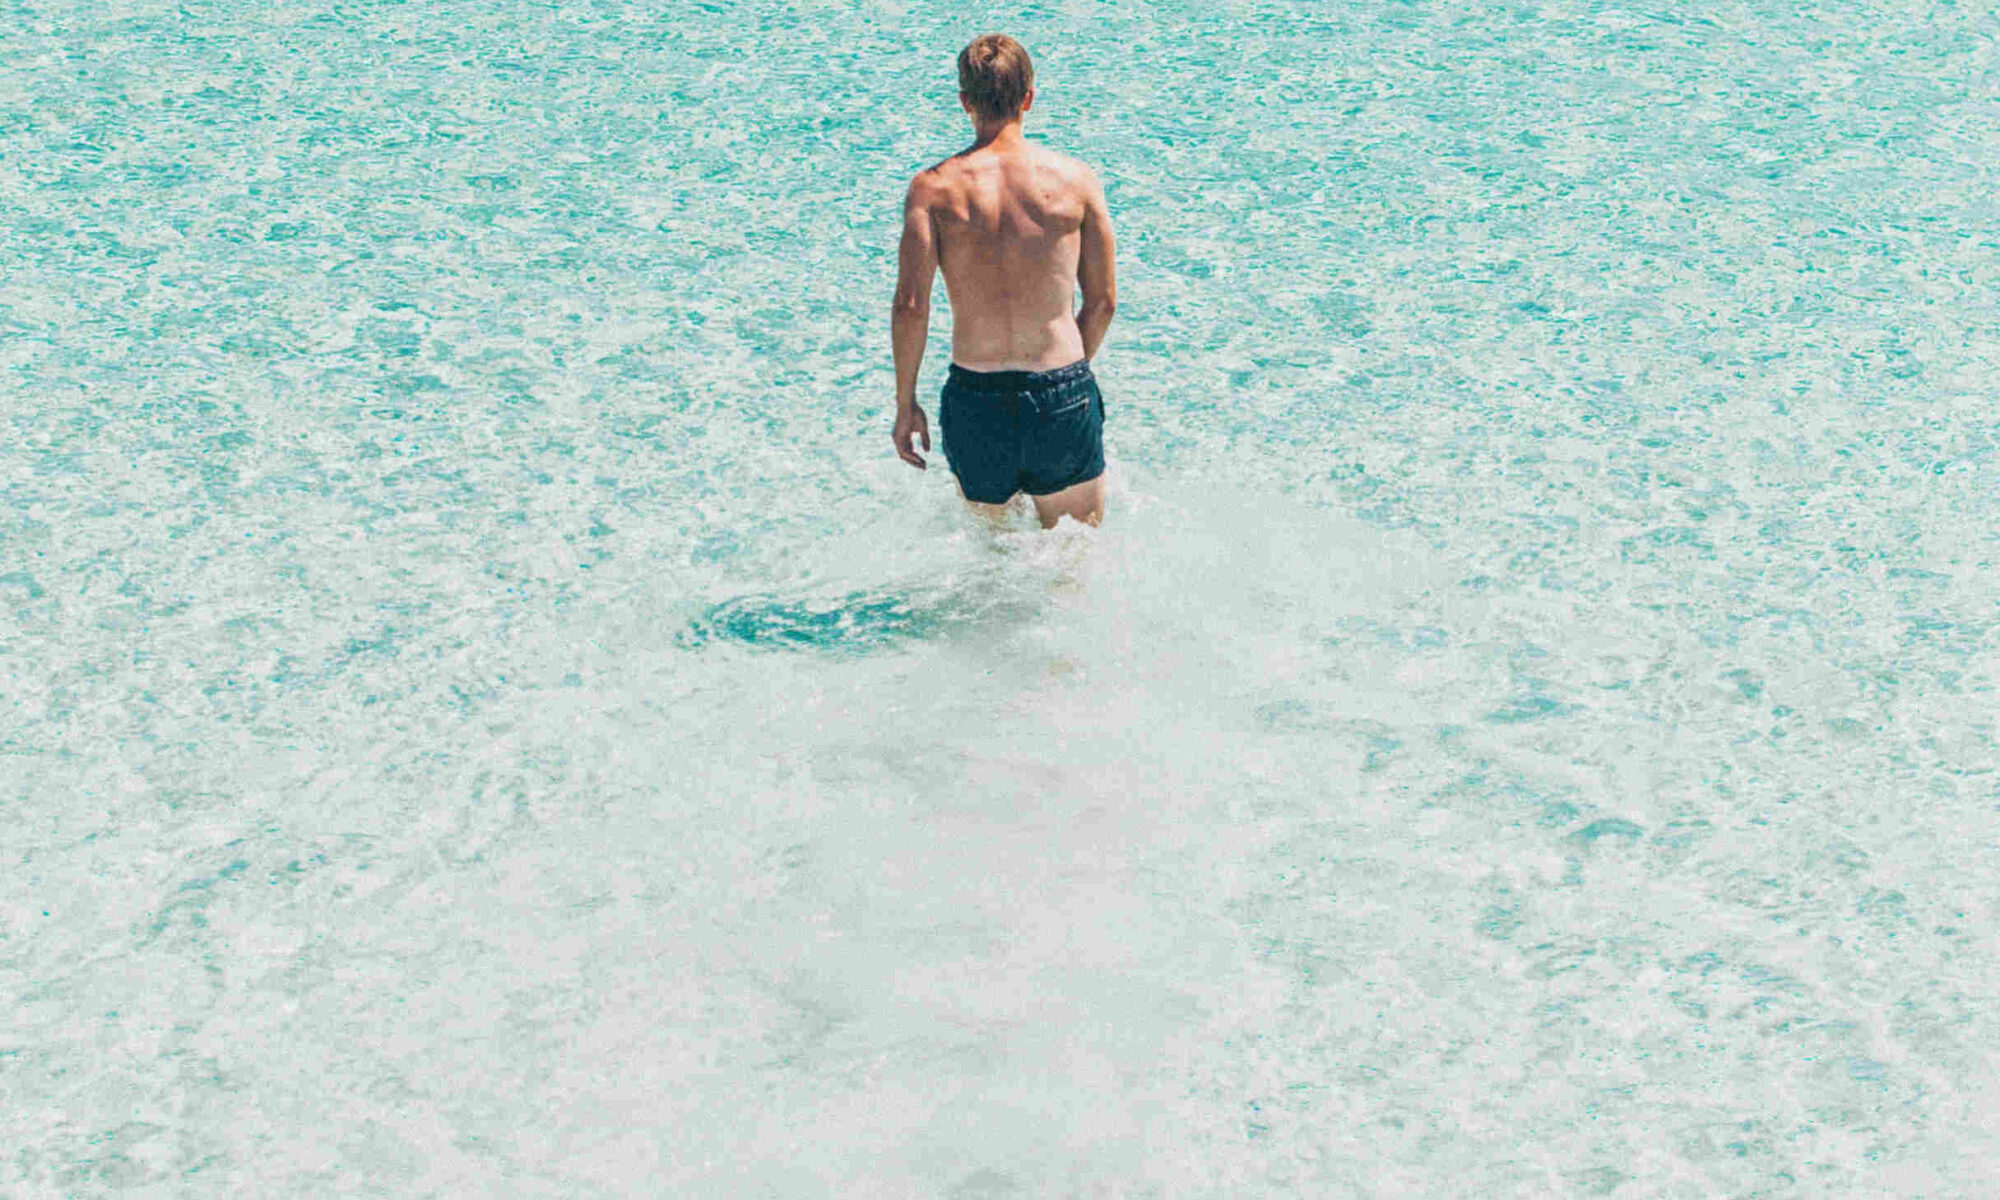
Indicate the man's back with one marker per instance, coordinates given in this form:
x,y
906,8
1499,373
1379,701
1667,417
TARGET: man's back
x,y
1012,222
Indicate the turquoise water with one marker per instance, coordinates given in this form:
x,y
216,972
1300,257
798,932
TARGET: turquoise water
x,y
485,714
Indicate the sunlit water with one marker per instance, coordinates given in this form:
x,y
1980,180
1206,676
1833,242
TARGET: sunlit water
x,y
485,714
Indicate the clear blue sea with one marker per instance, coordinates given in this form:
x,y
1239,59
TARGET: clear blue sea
x,y
483,713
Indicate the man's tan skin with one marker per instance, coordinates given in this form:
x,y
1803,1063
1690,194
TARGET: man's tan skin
x,y
1017,229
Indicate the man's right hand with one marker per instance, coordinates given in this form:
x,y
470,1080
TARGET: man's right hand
x,y
911,423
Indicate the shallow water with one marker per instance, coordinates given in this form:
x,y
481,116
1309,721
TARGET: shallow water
x,y
485,714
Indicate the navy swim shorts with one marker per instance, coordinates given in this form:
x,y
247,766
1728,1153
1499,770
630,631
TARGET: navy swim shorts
x,y
1022,431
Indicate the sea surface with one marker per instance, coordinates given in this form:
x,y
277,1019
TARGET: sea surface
x,y
483,712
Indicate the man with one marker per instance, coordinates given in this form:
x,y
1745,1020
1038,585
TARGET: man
x,y
1016,229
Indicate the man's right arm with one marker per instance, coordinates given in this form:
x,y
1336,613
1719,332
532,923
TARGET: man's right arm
x,y
910,319
1096,269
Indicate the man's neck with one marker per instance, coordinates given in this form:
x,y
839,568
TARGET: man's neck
x,y
1005,135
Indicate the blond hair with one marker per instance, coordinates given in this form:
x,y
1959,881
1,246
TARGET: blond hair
x,y
995,76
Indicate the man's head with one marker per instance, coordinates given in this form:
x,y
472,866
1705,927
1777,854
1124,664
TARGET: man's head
x,y
996,79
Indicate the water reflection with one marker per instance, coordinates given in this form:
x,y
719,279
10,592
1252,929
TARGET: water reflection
x,y
858,622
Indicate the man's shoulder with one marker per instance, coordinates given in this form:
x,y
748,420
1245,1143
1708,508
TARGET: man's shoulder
x,y
1072,170
934,183
946,181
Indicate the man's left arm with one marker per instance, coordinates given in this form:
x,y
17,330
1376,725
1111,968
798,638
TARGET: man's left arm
x,y
910,320
1096,267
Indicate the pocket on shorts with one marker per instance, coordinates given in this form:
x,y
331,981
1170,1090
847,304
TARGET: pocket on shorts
x,y
1082,407
1069,397
1069,446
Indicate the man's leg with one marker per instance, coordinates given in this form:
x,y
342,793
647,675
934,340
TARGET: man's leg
x,y
996,515
1082,501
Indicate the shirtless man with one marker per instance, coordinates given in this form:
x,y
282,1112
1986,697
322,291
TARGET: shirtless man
x,y
1016,229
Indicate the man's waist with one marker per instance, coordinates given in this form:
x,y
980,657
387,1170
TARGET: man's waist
x,y
977,380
